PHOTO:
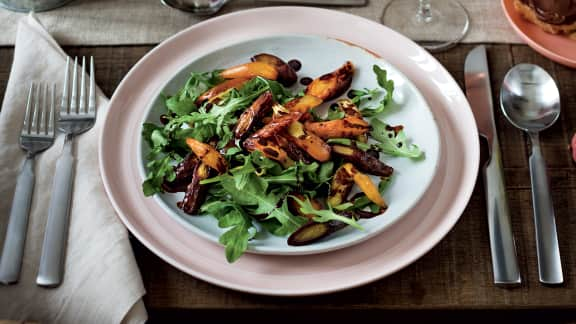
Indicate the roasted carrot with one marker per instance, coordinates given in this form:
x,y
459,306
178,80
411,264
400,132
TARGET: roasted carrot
x,y
333,84
250,70
349,127
366,185
312,144
208,155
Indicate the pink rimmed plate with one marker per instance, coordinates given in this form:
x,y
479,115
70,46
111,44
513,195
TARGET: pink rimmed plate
x,y
397,246
558,48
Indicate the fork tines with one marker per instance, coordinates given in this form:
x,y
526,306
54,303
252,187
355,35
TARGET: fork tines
x,y
76,105
37,104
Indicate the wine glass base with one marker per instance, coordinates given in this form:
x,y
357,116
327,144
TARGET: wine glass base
x,y
436,25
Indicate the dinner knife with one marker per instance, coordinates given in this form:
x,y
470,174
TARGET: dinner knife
x,y
502,245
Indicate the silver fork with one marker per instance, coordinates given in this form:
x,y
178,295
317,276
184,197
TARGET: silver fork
x,y
75,118
35,137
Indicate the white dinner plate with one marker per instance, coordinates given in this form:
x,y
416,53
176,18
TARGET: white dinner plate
x,y
319,55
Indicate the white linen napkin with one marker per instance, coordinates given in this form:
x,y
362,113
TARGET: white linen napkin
x,y
102,283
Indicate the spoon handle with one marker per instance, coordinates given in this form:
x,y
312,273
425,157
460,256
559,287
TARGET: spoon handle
x,y
549,266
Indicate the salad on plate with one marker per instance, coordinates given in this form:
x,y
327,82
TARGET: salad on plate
x,y
258,152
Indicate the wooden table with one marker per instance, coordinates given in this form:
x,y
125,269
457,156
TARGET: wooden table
x,y
455,275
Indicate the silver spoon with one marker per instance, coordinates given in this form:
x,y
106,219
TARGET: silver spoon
x,y
530,100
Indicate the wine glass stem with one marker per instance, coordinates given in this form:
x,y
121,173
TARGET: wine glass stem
x,y
424,13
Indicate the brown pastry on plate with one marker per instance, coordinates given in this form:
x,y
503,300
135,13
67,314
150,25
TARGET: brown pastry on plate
x,y
552,16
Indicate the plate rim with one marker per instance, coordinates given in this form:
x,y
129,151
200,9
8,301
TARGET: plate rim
x,y
457,207
437,145
507,7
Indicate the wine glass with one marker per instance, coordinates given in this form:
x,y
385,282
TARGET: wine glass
x,y
436,25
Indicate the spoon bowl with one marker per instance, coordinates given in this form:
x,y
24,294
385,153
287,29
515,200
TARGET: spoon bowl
x,y
530,100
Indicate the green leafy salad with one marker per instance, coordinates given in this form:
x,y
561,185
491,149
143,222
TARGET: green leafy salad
x,y
259,153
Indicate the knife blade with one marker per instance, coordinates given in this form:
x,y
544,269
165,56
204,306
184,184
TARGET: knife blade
x,y
502,245
321,2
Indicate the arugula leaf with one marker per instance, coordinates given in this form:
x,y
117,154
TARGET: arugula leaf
x,y
314,173
254,198
326,172
384,182
362,146
341,141
279,92
250,191
388,86
159,169
183,102
394,142
160,164
232,151
359,96
201,133
344,206
241,180
334,113
241,174
382,77
253,194
158,139
236,241
360,203
256,164
237,237
228,213
288,177
289,223
266,165
180,104
147,130
325,215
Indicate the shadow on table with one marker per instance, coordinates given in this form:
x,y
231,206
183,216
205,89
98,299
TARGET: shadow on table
x,y
362,316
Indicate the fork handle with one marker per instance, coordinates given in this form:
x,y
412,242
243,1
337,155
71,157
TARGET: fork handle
x,y
13,250
52,259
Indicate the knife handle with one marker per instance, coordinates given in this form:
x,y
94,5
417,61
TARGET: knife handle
x,y
502,245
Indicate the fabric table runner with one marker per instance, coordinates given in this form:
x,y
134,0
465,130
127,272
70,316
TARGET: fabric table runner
x,y
121,22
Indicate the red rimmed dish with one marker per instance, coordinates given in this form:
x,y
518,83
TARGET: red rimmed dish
x,y
559,48
397,246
